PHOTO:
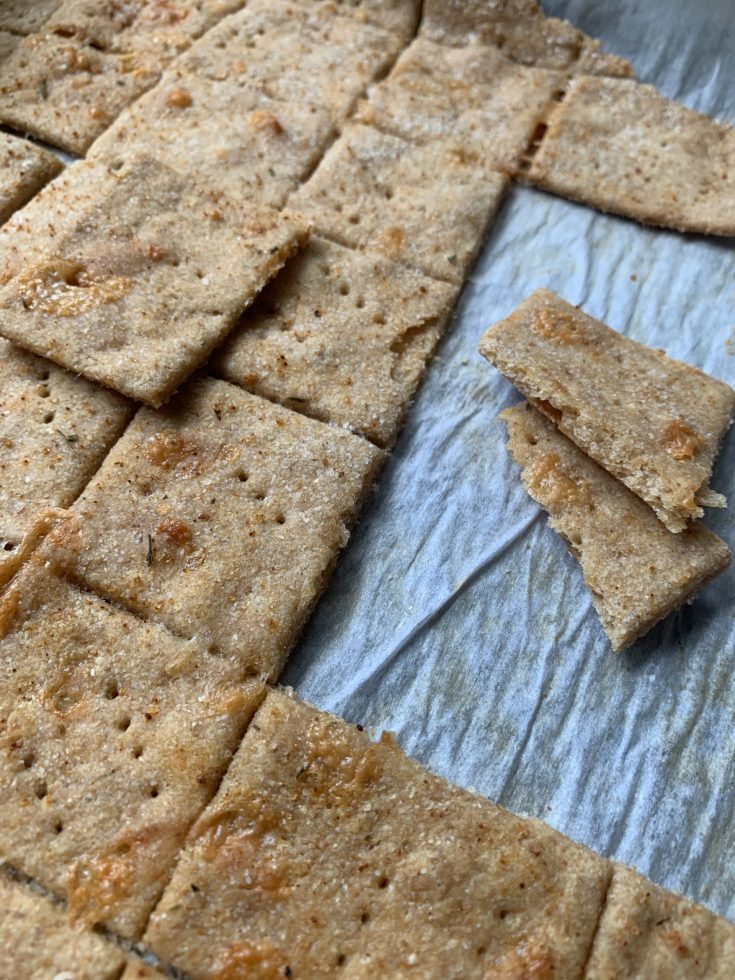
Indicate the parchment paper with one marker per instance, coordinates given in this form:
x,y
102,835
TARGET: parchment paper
x,y
456,617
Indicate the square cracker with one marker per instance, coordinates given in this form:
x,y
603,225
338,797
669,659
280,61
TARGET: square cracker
x,y
426,206
653,422
303,53
26,16
55,430
115,736
622,147
340,336
472,96
334,856
637,571
153,273
38,943
220,516
24,169
521,30
646,932
236,139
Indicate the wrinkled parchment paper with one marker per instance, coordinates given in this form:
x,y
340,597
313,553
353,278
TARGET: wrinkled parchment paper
x,y
458,620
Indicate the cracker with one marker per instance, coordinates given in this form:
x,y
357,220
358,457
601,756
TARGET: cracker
x,y
651,421
637,571
301,53
646,932
151,276
26,16
521,30
235,139
472,96
220,516
115,735
342,337
24,169
397,16
335,856
37,942
66,92
8,43
622,147
55,430
424,206
142,971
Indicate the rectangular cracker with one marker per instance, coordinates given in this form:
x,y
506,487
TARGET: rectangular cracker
x,y
341,336
55,430
220,517
26,16
37,941
330,855
151,276
24,169
426,206
651,421
472,96
115,736
521,30
622,147
637,571
646,932
238,140
303,53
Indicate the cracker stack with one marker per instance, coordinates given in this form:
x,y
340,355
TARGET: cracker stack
x,y
617,443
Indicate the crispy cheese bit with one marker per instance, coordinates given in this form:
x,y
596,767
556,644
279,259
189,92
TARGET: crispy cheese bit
x,y
342,337
115,734
114,307
653,422
323,851
636,570
622,147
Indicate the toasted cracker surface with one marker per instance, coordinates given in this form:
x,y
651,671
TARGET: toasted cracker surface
x,y
646,933
24,169
115,736
37,941
637,571
8,42
342,337
426,206
236,139
220,516
397,16
651,421
472,96
622,147
371,867
150,277
26,16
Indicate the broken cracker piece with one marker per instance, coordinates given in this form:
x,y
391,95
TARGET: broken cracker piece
x,y
341,336
327,855
221,517
24,169
637,571
153,273
622,147
653,422
114,736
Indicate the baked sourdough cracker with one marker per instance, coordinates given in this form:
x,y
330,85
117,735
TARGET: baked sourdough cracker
x,y
646,933
152,274
424,206
238,140
397,16
340,336
219,517
55,430
471,96
520,29
637,571
38,943
24,169
8,42
621,146
324,854
25,16
653,422
115,736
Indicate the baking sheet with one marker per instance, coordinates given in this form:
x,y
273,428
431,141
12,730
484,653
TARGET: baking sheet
x,y
458,620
